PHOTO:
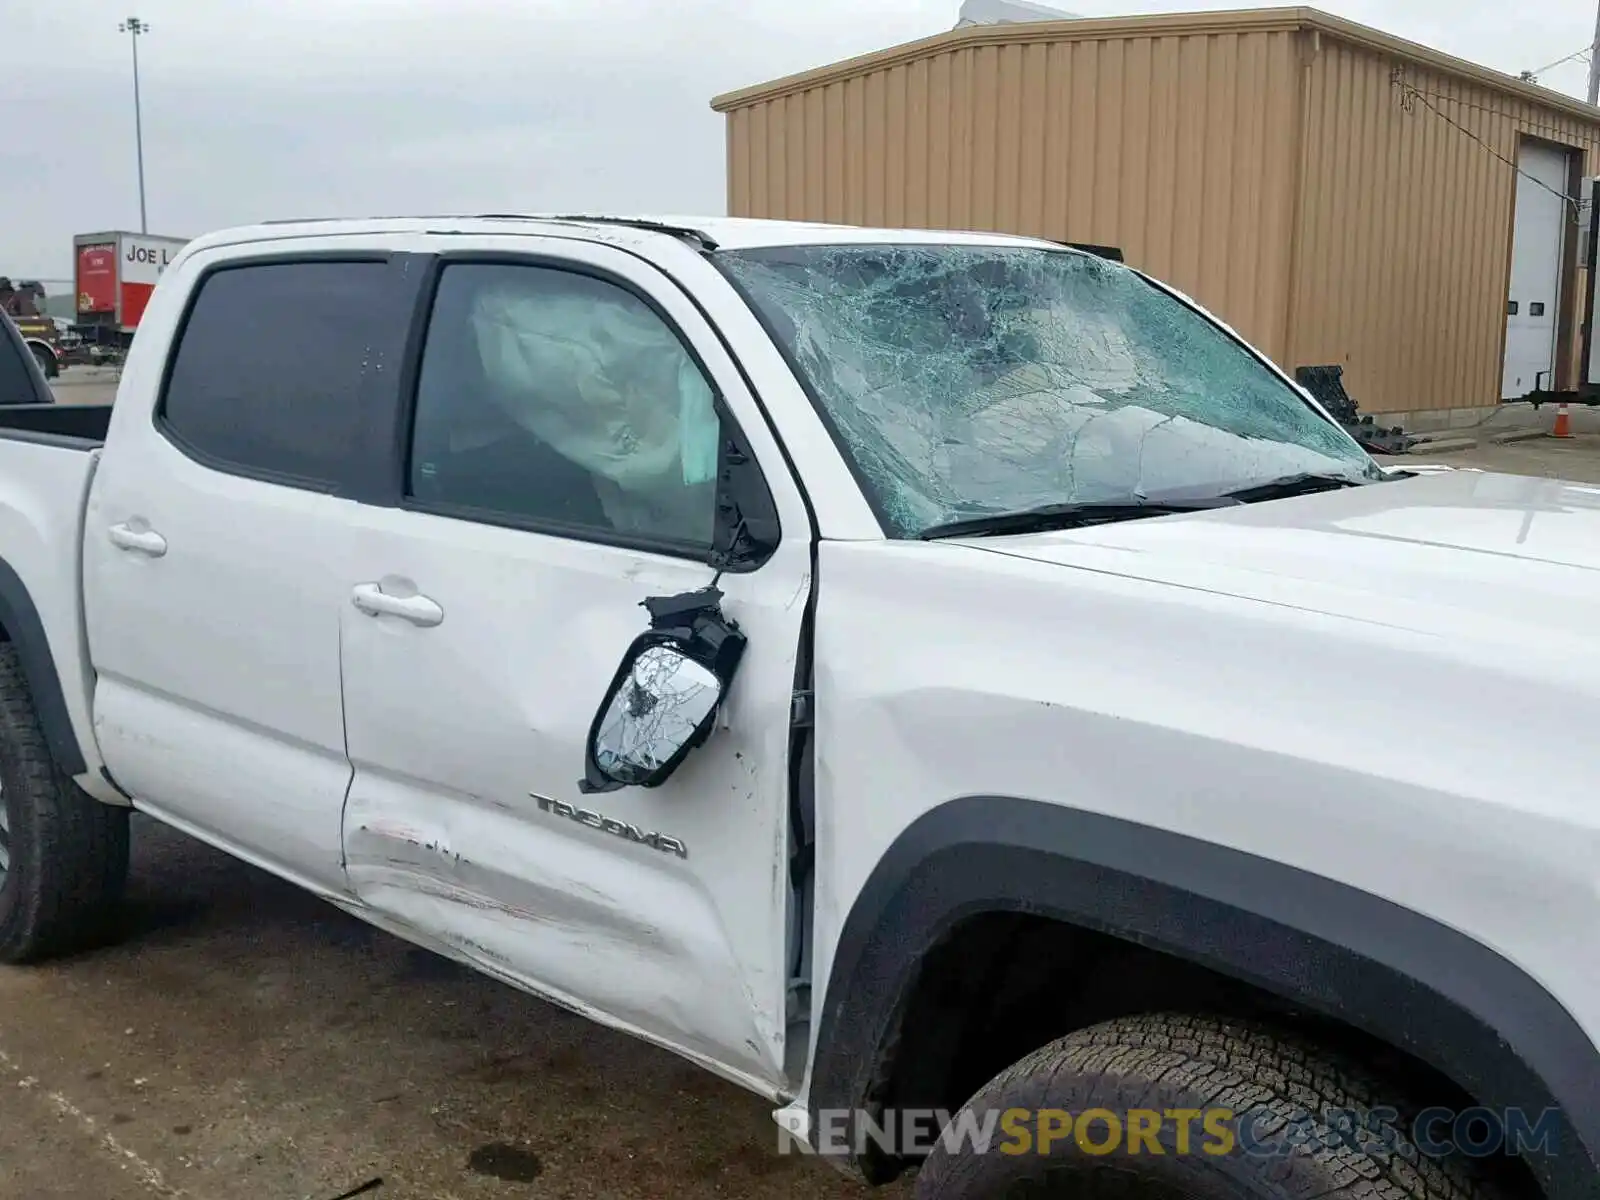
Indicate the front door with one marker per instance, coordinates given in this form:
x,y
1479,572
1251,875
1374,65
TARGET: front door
x,y
1537,243
562,470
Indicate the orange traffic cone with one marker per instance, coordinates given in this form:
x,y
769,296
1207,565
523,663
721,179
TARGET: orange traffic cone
x,y
1563,427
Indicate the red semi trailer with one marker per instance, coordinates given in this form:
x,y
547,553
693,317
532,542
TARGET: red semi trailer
x,y
115,274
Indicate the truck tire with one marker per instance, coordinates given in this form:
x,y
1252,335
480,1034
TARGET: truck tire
x,y
47,362
1283,1147
65,854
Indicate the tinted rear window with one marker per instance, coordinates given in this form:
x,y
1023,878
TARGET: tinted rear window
x,y
268,371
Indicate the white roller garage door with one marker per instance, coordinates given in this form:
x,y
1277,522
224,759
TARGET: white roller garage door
x,y
1536,248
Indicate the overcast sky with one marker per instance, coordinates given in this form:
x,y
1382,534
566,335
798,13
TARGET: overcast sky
x,y
349,107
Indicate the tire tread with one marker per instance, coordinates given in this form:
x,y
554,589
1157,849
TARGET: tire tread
x,y
1215,1063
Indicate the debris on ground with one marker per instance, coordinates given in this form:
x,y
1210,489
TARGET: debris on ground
x,y
1326,383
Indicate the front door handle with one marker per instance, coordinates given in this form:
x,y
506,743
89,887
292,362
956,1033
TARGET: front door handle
x,y
371,599
144,541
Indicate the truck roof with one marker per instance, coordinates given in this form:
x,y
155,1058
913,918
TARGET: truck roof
x,y
711,232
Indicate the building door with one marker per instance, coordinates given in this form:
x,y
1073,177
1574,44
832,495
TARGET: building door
x,y
1537,242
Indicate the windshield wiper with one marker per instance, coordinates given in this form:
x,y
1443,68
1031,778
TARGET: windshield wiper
x,y
1302,483
1093,512
1066,516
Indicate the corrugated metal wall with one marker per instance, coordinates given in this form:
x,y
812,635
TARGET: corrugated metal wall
x,y
1275,172
1405,230
1128,141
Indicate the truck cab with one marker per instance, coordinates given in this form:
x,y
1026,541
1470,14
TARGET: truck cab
x,y
886,668
20,302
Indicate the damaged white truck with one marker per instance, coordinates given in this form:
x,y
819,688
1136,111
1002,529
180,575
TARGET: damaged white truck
x,y
946,683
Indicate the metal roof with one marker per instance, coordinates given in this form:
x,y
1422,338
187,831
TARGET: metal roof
x,y
1163,25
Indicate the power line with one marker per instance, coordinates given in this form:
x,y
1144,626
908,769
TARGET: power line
x,y
1580,52
1410,96
1494,110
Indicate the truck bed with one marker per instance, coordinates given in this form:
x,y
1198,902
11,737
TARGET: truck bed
x,y
71,426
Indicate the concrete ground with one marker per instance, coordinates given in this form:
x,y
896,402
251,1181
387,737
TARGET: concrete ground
x,y
245,1039
85,385
1576,458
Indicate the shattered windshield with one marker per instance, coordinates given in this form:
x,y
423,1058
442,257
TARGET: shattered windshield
x,y
967,380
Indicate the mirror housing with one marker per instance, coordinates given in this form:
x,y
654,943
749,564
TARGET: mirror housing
x,y
664,699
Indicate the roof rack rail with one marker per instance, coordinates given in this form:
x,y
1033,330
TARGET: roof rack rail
x,y
699,237
337,220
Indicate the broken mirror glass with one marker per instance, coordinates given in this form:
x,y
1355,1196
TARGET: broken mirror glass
x,y
660,709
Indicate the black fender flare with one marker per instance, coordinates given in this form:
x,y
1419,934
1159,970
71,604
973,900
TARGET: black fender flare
x,y
20,619
1418,985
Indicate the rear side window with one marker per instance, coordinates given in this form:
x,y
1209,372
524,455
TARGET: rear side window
x,y
268,371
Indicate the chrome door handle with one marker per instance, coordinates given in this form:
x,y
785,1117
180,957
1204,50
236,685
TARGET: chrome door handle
x,y
371,599
144,541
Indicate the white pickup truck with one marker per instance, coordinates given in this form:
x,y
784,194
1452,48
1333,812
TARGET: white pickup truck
x,y
946,683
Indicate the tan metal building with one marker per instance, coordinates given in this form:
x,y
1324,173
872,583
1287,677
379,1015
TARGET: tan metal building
x,y
1336,194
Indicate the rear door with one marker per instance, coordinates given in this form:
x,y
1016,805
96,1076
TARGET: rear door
x,y
570,409
216,542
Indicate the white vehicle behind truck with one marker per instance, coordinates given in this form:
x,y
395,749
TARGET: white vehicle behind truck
x,y
941,682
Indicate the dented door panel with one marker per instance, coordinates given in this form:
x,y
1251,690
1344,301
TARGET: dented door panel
x,y
465,819
559,910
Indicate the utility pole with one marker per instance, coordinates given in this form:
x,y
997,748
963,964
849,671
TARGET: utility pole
x,y
1594,62
134,27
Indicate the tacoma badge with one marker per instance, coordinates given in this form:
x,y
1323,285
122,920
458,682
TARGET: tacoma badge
x,y
621,829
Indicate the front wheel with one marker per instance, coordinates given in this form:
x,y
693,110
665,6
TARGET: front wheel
x,y
1186,1108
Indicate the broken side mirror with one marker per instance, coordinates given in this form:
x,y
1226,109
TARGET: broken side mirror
x,y
664,699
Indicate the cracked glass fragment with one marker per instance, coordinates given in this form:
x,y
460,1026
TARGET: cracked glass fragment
x,y
967,380
661,703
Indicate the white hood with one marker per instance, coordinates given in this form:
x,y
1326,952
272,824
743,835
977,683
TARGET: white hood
x,y
1456,552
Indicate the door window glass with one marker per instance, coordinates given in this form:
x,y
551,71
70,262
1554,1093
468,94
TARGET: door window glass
x,y
267,375
558,400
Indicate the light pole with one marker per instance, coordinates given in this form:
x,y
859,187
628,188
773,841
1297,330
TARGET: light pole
x,y
1594,63
133,26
